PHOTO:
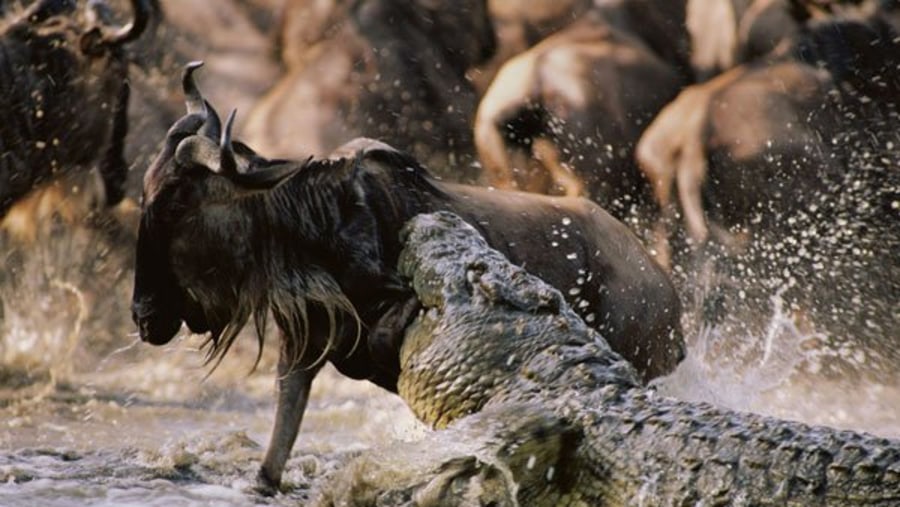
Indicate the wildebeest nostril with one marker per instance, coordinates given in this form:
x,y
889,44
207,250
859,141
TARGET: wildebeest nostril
x,y
144,329
139,314
154,327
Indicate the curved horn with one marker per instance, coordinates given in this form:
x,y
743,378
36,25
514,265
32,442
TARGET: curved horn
x,y
213,126
196,104
193,99
228,165
134,29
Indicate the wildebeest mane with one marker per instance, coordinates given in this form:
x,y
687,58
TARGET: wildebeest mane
x,y
301,293
400,168
403,170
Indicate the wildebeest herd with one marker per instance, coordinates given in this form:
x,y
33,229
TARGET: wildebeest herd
x,y
769,128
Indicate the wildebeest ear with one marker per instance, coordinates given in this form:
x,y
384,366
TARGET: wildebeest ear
x,y
213,126
228,164
199,150
266,179
256,181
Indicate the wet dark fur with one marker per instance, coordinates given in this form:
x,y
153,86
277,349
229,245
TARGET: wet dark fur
x,y
321,250
62,108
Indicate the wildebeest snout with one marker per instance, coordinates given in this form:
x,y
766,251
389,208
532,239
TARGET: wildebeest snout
x,y
154,327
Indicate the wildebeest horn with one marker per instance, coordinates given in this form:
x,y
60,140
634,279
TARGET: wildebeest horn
x,y
220,159
134,29
193,99
266,178
213,125
208,152
196,104
227,163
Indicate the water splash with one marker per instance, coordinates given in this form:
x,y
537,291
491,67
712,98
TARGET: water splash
x,y
781,371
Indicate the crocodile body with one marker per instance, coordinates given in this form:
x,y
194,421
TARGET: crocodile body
x,y
555,417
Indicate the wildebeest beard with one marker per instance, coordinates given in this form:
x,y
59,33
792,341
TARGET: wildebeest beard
x,y
215,270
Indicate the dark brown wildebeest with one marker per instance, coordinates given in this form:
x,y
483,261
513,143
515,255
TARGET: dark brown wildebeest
x,y
393,69
791,163
63,97
227,235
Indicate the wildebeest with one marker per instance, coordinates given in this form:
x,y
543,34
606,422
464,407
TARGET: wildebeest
x,y
791,162
589,90
777,114
520,25
63,96
393,69
227,235
726,33
579,100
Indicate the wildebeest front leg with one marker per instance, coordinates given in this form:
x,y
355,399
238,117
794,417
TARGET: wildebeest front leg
x,y
294,382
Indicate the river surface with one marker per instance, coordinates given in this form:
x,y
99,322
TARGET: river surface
x,y
91,416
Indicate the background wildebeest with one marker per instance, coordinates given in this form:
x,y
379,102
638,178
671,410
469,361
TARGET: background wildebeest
x,y
64,98
578,101
389,69
227,235
791,163
520,25
830,70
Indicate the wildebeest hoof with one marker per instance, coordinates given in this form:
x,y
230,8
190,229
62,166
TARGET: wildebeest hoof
x,y
265,485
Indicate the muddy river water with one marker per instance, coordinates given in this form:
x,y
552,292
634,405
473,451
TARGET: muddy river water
x,y
91,416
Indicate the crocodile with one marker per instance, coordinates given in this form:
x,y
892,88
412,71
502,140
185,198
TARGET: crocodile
x,y
534,408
